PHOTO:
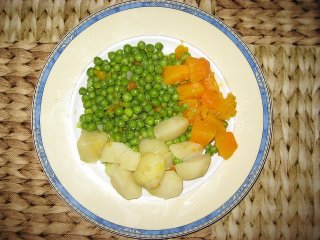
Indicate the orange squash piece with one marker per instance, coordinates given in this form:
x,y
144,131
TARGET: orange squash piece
x,y
190,90
175,74
215,122
199,68
202,132
180,50
226,144
192,110
222,108
210,82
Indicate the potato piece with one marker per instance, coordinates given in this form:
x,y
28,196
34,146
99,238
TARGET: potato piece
x,y
168,159
170,186
123,182
130,159
150,170
193,168
153,145
171,128
112,152
109,168
90,145
186,150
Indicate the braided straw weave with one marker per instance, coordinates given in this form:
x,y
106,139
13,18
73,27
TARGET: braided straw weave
x,y
284,202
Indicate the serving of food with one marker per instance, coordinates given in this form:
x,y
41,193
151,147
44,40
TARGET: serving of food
x,y
154,120
147,110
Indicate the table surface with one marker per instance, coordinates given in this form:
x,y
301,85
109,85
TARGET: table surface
x,y
284,202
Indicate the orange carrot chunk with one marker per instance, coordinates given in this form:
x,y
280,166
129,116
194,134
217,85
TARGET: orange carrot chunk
x,y
199,68
215,122
190,90
210,82
202,132
226,144
222,108
175,74
180,50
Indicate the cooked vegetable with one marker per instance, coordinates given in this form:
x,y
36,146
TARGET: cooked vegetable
x,y
185,150
210,82
223,108
151,145
150,170
193,168
90,145
112,152
175,74
226,144
109,168
159,112
199,68
171,128
130,159
180,51
123,182
170,186
202,132
190,90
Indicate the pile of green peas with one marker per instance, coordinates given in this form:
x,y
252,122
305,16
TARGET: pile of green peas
x,y
125,95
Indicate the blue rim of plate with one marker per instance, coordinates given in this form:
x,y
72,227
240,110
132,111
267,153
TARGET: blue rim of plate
x,y
231,202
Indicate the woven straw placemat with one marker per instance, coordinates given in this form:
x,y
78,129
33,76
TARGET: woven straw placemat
x,y
284,202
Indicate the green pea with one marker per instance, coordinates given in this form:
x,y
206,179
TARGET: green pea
x,y
134,92
150,48
150,132
159,46
132,124
166,97
90,72
135,148
176,161
141,45
91,127
128,112
137,109
119,111
82,91
126,97
149,121
130,135
127,48
97,61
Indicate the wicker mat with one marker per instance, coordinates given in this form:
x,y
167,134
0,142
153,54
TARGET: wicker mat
x,y
284,202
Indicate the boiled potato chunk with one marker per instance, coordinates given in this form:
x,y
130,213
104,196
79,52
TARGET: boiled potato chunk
x,y
112,152
109,168
186,150
170,186
150,170
171,128
151,145
193,168
123,182
90,145
130,159
168,159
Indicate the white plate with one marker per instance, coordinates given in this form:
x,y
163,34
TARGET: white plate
x,y
57,106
